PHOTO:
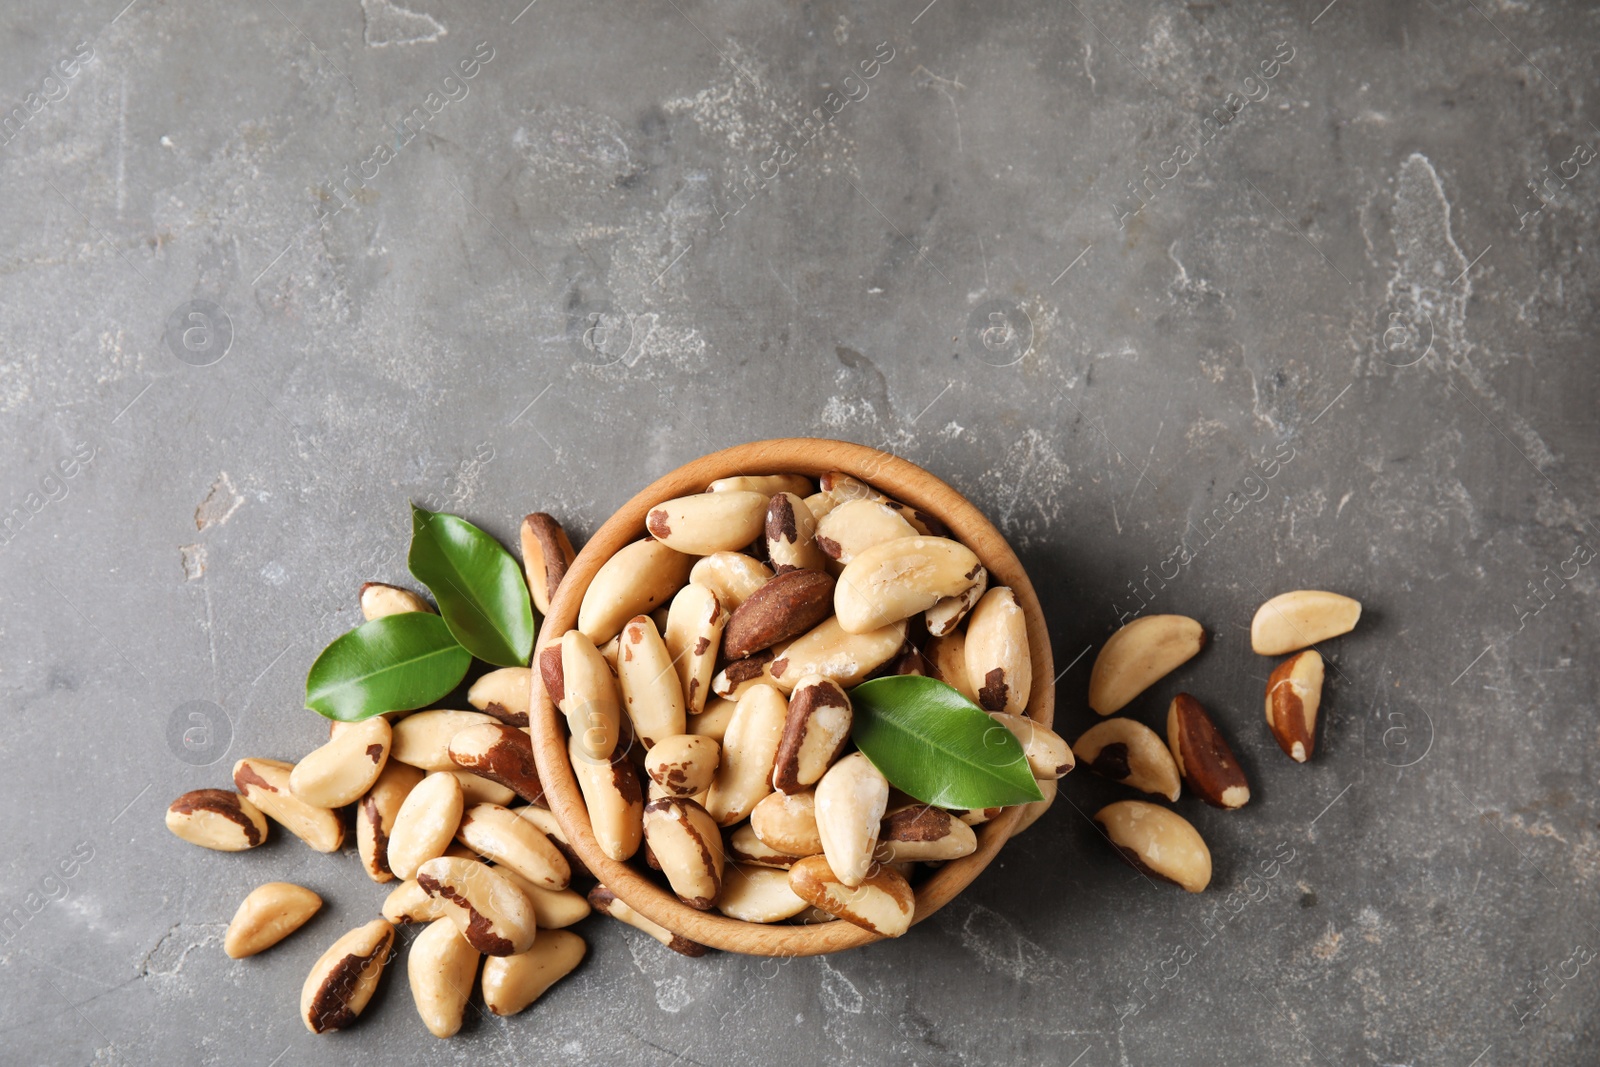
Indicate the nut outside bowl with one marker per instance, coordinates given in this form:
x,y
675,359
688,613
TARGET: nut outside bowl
x,y
812,457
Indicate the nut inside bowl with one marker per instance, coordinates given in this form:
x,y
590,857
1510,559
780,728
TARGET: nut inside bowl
x,y
811,457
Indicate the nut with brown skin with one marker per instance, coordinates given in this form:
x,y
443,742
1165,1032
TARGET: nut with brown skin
x,y
998,660
816,730
343,979
791,532
376,813
476,789
730,683
688,846
506,694
845,487
611,792
1049,757
881,901
268,915
408,902
1294,694
1140,654
546,555
502,754
948,613
1158,842
511,983
897,579
652,692
1128,751
514,844
854,526
749,750
785,607
693,637
265,783
635,581
608,903
1292,621
217,819
1203,757
787,823
733,576
744,847
441,965
683,765
850,802
342,770
832,651
487,908
589,697
921,521
922,833
379,600
426,823
423,739
708,522
758,895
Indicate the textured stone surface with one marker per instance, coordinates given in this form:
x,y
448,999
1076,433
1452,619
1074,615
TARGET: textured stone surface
x,y
572,279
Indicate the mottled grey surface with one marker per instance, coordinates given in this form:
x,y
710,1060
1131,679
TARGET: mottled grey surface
x,y
576,276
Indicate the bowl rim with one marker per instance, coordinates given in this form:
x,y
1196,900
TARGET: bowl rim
x,y
898,478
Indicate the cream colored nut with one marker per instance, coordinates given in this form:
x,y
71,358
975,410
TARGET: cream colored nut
x,y
1157,841
425,824
1294,694
921,521
487,908
1032,810
787,823
1139,655
999,663
423,739
1292,621
733,576
652,791
217,819
713,722
546,555
816,731
791,532
819,504
633,582
851,799
496,832
612,650
441,965
268,915
683,765
919,833
652,692
881,902
616,803
376,813
547,824
342,770
511,983
708,522
343,979
688,846
897,579
608,903
408,902
732,681
832,651
948,613
589,696
746,848
758,895
813,916
1048,755
765,484
1203,757
379,600
749,750
844,487
265,783
502,754
693,636
1127,751
947,660
784,608
854,526
979,816
552,908
506,694
476,789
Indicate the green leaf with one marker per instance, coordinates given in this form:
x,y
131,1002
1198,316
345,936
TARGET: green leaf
x,y
938,746
479,588
394,663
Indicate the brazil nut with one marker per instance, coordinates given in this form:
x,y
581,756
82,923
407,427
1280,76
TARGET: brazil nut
x,y
425,824
342,770
489,911
268,915
343,979
496,832
441,965
693,637
635,581
612,795
850,802
683,765
265,783
688,847
506,694
511,983
217,819
652,692
816,729
708,522
999,663
749,751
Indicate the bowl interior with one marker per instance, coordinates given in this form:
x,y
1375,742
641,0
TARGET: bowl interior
x,y
813,457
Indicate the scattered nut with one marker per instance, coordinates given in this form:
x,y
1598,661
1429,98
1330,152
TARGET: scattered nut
x,y
1294,693
376,813
1140,654
342,770
265,783
425,824
1203,757
379,600
268,915
608,903
502,754
423,739
506,694
1292,621
514,844
1127,751
1158,842
441,965
1049,757
489,911
343,979
217,819
511,983
546,555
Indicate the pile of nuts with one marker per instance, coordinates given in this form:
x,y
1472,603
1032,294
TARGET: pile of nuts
x,y
714,656
1157,840
728,636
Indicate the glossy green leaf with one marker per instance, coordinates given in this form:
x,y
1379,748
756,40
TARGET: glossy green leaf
x,y
938,746
394,663
479,588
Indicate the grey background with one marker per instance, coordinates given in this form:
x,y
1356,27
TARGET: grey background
x,y
548,298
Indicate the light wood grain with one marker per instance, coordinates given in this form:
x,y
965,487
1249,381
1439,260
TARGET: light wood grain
x,y
813,457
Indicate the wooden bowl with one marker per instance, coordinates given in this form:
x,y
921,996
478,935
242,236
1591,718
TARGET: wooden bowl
x,y
813,457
